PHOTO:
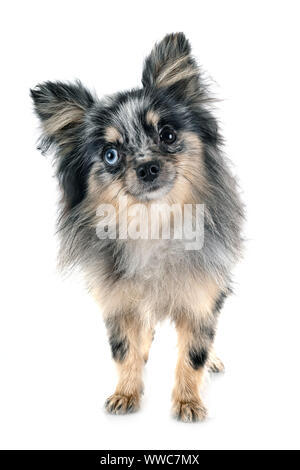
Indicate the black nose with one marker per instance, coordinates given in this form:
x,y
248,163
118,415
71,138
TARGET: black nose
x,y
148,171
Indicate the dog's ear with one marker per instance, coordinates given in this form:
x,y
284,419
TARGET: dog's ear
x,y
170,65
62,108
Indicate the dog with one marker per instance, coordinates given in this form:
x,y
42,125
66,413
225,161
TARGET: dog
x,y
156,146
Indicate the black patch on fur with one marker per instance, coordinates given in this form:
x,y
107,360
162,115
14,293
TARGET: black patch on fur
x,y
198,357
73,172
119,348
117,340
220,302
206,125
208,332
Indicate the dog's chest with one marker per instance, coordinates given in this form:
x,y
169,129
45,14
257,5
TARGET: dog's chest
x,y
151,259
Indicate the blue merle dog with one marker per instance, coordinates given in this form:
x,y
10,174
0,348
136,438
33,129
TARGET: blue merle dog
x,y
156,144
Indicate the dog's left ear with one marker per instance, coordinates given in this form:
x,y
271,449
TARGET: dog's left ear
x,y
171,66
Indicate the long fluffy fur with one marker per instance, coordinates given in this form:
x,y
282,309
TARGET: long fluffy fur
x,y
147,279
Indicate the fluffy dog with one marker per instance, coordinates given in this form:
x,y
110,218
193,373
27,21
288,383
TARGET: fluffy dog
x,y
155,145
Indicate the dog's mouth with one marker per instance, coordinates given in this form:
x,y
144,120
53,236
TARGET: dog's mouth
x,y
151,187
151,191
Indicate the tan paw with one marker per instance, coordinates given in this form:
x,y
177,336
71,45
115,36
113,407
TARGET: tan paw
x,y
121,404
215,364
189,412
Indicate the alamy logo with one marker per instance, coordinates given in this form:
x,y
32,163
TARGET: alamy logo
x,y
153,221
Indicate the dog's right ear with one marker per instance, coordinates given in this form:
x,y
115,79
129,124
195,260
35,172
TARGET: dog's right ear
x,y
61,108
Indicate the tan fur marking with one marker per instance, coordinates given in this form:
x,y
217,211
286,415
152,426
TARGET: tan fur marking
x,y
113,135
171,70
183,75
194,141
69,114
175,71
152,118
170,67
105,195
190,172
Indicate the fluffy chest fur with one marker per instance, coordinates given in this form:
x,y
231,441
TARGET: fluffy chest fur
x,y
154,279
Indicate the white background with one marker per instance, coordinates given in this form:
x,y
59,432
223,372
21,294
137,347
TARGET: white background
x,y
55,369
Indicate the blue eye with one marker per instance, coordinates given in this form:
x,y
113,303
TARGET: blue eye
x,y
111,156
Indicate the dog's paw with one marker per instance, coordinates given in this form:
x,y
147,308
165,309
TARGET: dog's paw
x,y
215,365
121,404
189,412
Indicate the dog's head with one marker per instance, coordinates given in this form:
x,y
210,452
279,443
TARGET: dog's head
x,y
146,143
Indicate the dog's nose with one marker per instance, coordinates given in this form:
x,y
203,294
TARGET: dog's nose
x,y
148,171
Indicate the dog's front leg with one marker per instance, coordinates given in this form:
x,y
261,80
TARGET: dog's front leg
x,y
196,332
125,338
193,350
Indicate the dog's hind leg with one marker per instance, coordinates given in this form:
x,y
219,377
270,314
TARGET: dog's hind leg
x,y
214,363
147,338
